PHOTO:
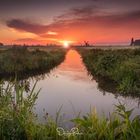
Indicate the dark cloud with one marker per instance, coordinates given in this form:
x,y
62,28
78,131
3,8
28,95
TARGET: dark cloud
x,y
80,8
22,25
83,22
15,3
119,5
80,12
65,3
118,19
39,1
91,15
64,24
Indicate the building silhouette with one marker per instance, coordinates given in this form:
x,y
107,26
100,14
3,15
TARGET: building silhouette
x,y
135,42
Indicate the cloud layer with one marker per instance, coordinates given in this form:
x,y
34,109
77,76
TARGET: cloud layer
x,y
23,25
77,18
91,20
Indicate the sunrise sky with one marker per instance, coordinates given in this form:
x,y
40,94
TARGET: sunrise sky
x,y
54,21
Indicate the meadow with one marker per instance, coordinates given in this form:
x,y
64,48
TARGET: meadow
x,y
22,62
115,70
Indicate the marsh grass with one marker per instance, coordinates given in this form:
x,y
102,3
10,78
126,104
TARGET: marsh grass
x,y
18,122
121,67
22,63
118,126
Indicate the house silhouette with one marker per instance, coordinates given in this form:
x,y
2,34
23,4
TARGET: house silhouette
x,y
135,42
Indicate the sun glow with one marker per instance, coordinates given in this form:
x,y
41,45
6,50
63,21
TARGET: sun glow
x,y
66,44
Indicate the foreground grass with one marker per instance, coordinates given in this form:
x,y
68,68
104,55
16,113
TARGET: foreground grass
x,y
120,67
17,121
21,62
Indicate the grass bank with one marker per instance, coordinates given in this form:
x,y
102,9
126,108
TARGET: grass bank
x,y
120,69
17,121
21,63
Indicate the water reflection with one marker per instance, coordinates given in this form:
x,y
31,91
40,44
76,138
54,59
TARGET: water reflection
x,y
73,67
70,86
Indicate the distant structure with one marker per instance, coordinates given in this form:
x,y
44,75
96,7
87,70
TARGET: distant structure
x,y
132,42
86,43
135,42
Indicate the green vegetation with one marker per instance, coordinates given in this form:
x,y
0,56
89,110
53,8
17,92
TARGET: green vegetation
x,y
117,127
17,121
118,68
20,62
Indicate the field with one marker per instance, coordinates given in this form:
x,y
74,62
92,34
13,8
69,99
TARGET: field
x,y
21,62
119,68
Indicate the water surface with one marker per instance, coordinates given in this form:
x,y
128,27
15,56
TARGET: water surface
x,y
70,86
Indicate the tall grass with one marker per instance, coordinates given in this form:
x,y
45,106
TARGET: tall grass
x,y
117,127
18,122
20,62
122,67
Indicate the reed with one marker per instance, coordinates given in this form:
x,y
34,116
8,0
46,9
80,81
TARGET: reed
x,y
18,122
121,67
20,62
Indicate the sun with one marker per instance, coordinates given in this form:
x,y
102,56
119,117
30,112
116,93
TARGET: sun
x,y
66,44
